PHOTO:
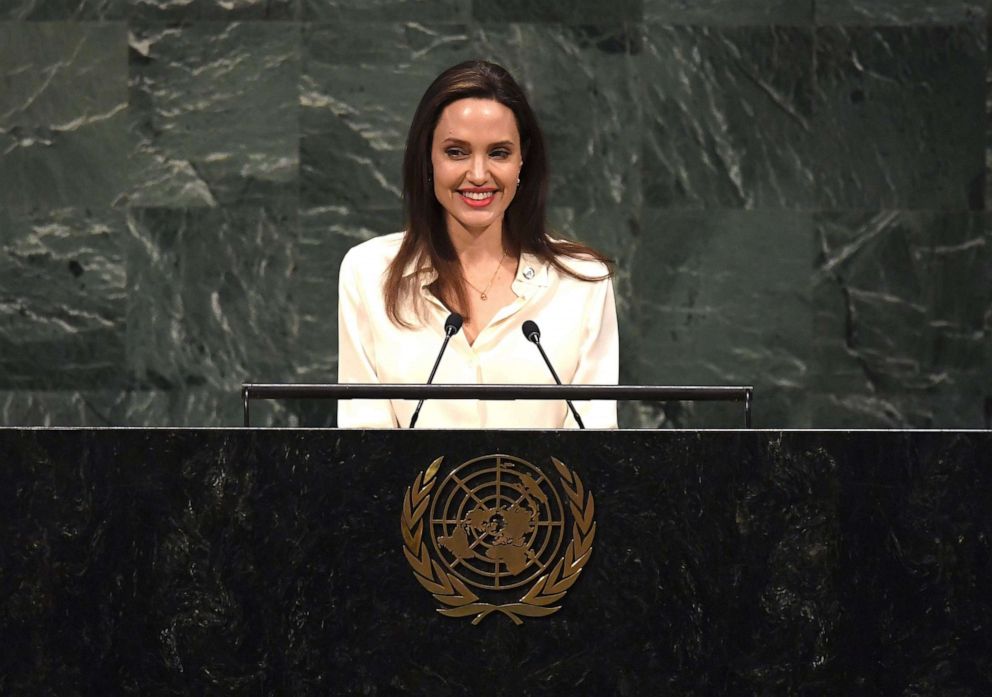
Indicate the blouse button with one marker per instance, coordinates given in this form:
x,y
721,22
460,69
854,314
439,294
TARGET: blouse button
x,y
528,273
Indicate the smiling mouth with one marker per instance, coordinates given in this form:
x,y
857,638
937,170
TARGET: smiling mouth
x,y
477,199
477,195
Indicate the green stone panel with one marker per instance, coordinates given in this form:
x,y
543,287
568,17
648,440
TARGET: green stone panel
x,y
728,117
571,12
612,232
357,105
158,322
730,12
54,73
326,234
104,408
194,407
185,407
187,10
215,110
899,117
899,12
453,11
61,408
903,319
722,297
63,96
62,300
584,83
616,233
55,10
356,100
210,300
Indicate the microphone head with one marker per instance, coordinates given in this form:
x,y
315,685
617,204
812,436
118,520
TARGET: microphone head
x,y
531,331
453,324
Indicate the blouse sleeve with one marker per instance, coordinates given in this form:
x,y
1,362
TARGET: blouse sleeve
x,y
599,358
356,352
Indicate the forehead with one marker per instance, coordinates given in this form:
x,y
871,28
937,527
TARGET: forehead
x,y
475,119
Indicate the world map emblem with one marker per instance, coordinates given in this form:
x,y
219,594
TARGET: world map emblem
x,y
495,526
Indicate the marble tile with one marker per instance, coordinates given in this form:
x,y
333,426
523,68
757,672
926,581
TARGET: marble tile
x,y
706,92
730,12
661,103
899,12
899,117
58,72
615,233
185,407
56,10
572,12
722,298
59,408
194,407
326,234
62,299
432,11
63,140
903,319
214,109
143,408
209,300
356,100
224,10
584,83
987,174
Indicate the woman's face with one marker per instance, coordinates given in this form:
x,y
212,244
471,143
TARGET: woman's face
x,y
476,158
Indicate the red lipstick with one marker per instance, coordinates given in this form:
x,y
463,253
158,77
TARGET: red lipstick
x,y
490,196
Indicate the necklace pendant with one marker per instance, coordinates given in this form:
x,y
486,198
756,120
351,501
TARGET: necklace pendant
x,y
484,296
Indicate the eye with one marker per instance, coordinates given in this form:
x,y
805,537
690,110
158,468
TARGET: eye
x,y
500,153
454,152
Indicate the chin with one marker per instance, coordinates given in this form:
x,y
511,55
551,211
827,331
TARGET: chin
x,y
474,220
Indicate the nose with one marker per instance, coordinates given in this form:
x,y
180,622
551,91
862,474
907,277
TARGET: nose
x,y
478,172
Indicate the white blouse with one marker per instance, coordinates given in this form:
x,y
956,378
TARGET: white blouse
x,y
578,325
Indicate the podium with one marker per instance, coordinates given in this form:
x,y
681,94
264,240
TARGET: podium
x,y
271,562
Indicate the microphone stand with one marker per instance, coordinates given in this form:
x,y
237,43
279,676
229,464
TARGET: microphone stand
x,y
451,327
533,335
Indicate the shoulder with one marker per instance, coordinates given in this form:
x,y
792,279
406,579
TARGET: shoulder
x,y
590,267
364,266
584,265
373,254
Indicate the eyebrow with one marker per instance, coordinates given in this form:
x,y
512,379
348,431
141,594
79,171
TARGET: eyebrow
x,y
458,141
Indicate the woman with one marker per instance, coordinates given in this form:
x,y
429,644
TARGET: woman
x,y
475,181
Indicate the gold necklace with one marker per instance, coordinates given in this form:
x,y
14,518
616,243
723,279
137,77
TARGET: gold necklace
x,y
483,294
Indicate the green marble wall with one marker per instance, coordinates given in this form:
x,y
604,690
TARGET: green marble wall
x,y
795,192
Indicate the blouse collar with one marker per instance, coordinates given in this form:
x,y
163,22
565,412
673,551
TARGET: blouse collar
x,y
532,272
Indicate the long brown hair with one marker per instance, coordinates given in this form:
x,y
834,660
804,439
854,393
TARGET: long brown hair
x,y
426,243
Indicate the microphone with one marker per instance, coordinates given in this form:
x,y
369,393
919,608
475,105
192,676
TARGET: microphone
x,y
533,335
451,327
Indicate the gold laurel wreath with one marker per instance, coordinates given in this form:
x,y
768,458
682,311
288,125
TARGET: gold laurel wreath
x,y
452,591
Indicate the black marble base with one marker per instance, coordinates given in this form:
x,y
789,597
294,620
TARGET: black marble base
x,y
259,562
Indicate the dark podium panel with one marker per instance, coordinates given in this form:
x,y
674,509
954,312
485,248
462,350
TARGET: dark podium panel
x,y
270,562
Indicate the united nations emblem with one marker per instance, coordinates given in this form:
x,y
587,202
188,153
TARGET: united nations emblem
x,y
496,524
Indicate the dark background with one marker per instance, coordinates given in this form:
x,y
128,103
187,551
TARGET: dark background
x,y
795,192
269,562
